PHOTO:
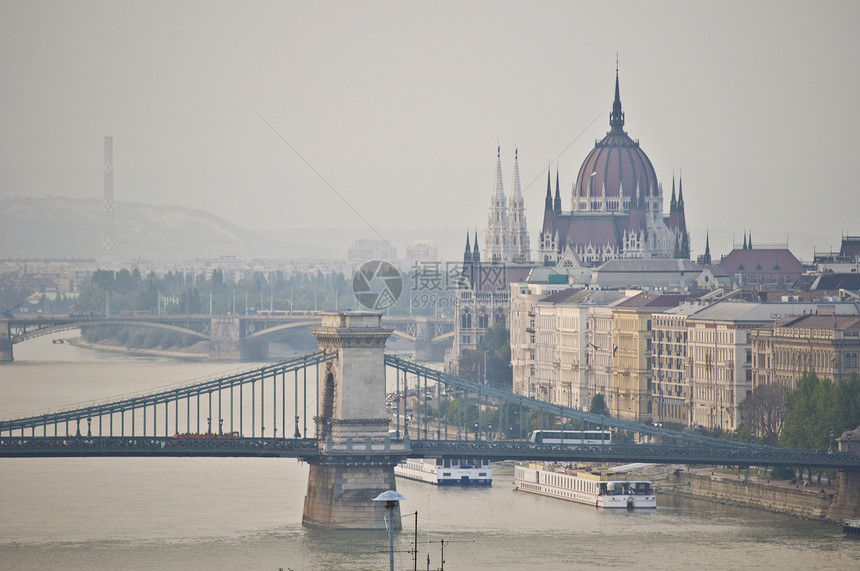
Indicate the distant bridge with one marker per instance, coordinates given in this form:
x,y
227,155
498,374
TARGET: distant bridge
x,y
230,337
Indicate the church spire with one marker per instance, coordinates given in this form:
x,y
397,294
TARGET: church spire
x,y
745,239
467,255
518,234
680,193
497,239
616,118
707,257
548,201
557,202
673,205
476,254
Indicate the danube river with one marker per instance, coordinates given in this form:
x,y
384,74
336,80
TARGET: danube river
x,y
210,513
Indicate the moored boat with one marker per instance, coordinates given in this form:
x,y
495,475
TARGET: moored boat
x,y
446,472
599,488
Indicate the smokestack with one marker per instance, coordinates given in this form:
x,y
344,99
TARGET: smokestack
x,y
108,255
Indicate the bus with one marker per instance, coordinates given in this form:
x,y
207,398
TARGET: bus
x,y
571,437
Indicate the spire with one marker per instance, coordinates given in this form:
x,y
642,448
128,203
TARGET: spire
x,y
745,239
518,234
750,241
498,188
673,205
497,238
616,118
685,246
707,257
681,193
476,255
467,256
557,202
516,190
548,201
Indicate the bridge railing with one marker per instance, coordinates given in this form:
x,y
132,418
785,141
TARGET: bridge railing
x,y
497,395
241,403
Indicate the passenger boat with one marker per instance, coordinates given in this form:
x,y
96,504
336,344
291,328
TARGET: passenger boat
x,y
598,488
446,472
851,528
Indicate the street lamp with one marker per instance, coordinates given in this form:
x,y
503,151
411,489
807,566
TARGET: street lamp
x,y
391,497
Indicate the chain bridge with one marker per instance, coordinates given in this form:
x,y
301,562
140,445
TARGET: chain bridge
x,y
353,412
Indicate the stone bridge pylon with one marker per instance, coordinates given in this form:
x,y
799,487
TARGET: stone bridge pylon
x,y
357,457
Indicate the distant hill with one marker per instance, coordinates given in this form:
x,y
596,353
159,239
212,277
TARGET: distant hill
x,y
72,228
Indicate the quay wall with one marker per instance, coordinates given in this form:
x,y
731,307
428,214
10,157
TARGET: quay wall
x,y
810,502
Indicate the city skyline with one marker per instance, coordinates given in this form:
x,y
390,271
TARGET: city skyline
x,y
387,114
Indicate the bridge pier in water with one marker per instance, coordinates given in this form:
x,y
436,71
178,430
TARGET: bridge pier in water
x,y
6,355
357,456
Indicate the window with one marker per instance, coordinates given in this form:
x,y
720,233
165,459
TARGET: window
x,y
466,320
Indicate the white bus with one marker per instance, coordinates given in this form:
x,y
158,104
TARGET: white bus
x,y
571,437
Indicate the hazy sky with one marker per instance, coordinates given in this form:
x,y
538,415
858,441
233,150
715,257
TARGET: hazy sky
x,y
399,107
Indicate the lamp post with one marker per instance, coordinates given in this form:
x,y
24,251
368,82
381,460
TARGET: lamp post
x,y
391,497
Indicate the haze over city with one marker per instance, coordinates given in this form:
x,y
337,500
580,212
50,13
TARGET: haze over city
x,y
267,113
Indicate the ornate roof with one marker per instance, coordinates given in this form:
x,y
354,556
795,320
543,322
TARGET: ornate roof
x,y
617,166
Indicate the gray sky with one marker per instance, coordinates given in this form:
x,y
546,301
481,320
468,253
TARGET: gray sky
x,y
400,106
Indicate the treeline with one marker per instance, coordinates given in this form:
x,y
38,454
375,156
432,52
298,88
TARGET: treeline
x,y
820,410
491,363
811,416
178,293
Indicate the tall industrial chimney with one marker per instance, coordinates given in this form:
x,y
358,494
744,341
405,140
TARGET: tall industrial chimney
x,y
108,255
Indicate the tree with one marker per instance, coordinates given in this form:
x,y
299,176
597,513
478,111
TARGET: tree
x,y
598,405
817,408
763,411
471,365
496,343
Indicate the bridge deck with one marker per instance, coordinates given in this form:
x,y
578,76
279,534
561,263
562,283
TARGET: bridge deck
x,y
309,449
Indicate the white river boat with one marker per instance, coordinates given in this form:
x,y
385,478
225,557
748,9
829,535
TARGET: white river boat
x,y
446,472
599,488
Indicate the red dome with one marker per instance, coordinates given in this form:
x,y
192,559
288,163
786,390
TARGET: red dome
x,y
616,163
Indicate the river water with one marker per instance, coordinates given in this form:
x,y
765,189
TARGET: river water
x,y
210,513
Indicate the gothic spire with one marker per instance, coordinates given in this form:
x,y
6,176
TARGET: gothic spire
x,y
673,205
707,256
616,118
745,239
548,202
516,190
681,193
476,254
498,187
557,202
467,256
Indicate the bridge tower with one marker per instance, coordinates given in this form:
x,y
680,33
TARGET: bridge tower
x,y
846,505
357,456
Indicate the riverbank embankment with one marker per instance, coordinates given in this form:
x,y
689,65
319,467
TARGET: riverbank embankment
x,y
809,501
196,352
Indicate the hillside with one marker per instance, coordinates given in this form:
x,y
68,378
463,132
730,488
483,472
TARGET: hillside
x,y
72,228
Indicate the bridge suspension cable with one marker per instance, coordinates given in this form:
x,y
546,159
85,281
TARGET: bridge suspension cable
x,y
161,413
